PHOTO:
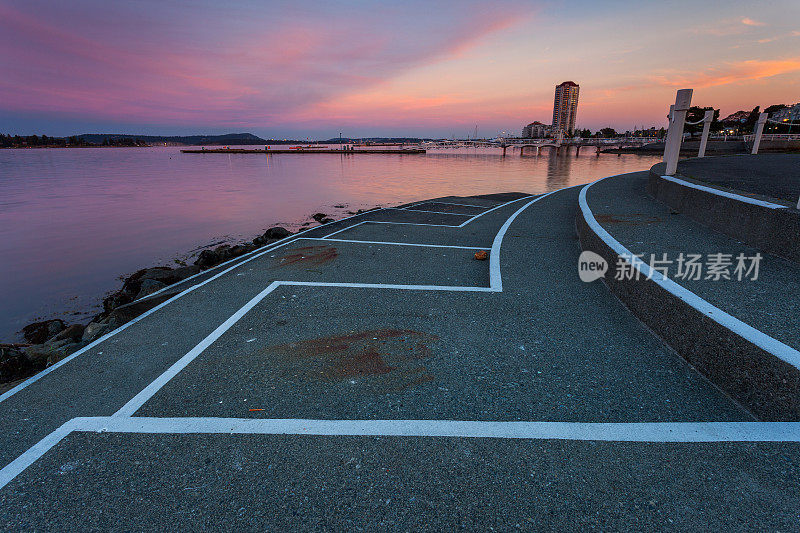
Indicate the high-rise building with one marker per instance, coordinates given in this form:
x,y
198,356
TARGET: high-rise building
x,y
565,106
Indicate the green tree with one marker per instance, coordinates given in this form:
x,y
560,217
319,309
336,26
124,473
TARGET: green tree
x,y
696,113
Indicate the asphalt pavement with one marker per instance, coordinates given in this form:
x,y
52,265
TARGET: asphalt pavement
x,y
388,333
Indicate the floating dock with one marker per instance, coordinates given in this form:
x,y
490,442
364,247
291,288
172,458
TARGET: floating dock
x,y
302,151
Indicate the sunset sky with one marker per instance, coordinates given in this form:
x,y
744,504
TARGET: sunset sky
x,y
313,69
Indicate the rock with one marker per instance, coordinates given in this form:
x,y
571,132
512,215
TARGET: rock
x,y
184,272
481,255
223,252
165,275
95,330
13,363
207,258
241,249
319,217
325,221
116,299
271,235
39,332
50,352
277,233
126,312
74,332
148,287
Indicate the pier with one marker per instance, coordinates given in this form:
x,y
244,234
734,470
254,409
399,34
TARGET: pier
x,y
347,151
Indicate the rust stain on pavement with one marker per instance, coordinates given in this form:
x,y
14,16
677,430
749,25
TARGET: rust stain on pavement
x,y
307,256
377,361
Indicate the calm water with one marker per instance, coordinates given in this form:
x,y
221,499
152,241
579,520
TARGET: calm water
x,y
72,221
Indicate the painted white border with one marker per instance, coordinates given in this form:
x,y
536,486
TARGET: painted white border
x,y
10,471
410,210
396,243
645,432
495,285
747,332
726,194
245,258
448,203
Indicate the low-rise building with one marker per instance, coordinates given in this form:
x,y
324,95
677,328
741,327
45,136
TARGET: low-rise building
x,y
536,130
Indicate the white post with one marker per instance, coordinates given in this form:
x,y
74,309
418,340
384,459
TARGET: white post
x,y
709,116
669,125
672,150
762,119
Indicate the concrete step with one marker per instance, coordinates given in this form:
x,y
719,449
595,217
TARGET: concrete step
x,y
742,334
752,198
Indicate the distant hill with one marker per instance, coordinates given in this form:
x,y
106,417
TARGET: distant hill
x,y
189,140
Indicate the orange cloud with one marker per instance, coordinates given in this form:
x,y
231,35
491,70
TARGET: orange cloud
x,y
750,22
742,71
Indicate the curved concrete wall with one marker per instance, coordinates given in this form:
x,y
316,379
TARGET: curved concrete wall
x,y
760,381
776,231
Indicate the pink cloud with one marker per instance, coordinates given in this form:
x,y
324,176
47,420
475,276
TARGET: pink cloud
x,y
750,22
254,76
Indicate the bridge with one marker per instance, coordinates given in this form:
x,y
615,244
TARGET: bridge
x,y
558,144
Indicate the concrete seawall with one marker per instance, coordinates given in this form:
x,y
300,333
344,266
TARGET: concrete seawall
x,y
769,224
751,375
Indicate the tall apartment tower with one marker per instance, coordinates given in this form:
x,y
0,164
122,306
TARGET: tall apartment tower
x,y
565,106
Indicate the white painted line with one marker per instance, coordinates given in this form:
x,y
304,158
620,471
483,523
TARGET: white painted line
x,y
649,432
456,288
137,401
492,209
239,261
463,205
344,229
473,217
424,211
18,465
747,332
395,243
257,250
726,194
412,224
495,285
133,321
582,431
495,279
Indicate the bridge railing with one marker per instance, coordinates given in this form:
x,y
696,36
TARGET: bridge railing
x,y
773,137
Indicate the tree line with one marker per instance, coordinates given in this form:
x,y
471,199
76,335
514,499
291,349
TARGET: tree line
x,y
23,141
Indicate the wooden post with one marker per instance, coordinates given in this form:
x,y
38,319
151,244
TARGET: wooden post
x,y
709,116
672,150
762,119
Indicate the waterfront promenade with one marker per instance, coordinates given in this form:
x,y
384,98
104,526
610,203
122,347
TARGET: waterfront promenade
x,y
371,373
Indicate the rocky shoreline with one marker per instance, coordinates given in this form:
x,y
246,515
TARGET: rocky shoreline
x,y
50,341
